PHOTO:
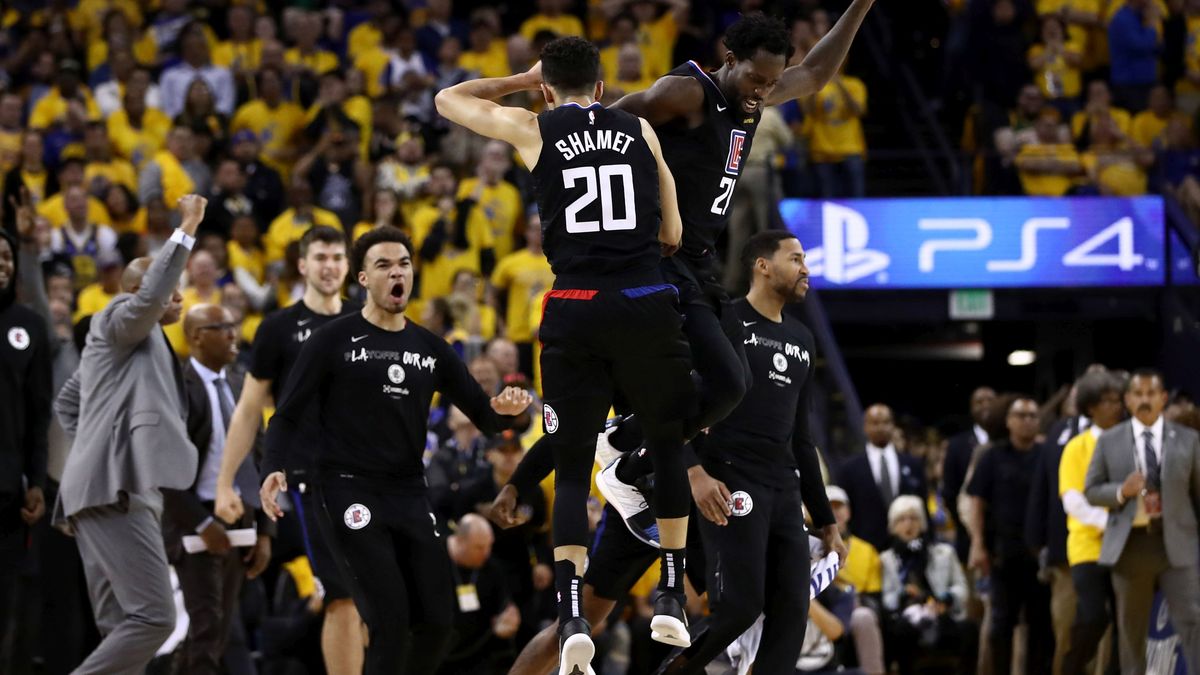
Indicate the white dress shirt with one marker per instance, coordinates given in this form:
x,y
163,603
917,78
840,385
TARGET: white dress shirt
x,y
875,454
1156,430
206,484
981,436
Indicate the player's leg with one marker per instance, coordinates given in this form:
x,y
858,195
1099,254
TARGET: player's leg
x,y
342,629
356,526
737,589
787,577
540,655
426,566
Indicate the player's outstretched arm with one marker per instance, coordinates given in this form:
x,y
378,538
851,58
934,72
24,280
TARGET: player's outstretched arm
x,y
671,97
670,227
826,57
472,104
239,440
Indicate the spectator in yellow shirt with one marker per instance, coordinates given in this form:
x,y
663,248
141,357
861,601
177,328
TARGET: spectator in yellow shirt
x,y
11,130
54,209
137,131
1098,396
836,142
274,121
551,16
518,278
166,175
1099,104
30,175
622,30
1056,66
1115,165
103,169
294,222
1048,167
496,199
242,52
453,237
96,295
123,209
485,54
406,174
630,76
385,210
1149,126
657,33
307,56
51,109
202,277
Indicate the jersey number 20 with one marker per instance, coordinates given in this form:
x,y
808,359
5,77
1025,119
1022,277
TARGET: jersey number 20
x,y
604,175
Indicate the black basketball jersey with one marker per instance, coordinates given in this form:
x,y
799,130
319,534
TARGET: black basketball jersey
x,y
706,162
597,189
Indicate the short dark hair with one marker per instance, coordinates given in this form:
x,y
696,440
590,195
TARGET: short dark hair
x,y
1092,388
379,235
1147,373
757,31
570,64
322,233
763,245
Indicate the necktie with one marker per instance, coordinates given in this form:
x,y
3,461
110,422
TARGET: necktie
x,y
246,479
1153,474
885,480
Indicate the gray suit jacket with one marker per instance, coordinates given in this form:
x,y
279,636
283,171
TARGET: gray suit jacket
x,y
124,405
1114,460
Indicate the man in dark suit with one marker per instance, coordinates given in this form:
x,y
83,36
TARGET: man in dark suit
x,y
874,478
959,451
212,579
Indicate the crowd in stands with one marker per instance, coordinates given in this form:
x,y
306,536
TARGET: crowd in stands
x,y
286,116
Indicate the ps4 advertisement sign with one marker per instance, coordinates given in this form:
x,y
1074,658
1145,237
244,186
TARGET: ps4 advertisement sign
x,y
981,242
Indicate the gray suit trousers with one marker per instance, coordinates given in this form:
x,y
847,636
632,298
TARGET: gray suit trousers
x,y
1142,566
129,582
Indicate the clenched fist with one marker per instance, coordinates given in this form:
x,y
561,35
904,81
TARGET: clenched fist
x,y
191,208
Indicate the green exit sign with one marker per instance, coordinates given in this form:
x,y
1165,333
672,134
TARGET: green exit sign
x,y
975,304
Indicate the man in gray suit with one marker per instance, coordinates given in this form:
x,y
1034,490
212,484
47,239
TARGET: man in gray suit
x,y
1146,472
125,407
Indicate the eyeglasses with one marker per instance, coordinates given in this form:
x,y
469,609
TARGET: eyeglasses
x,y
231,327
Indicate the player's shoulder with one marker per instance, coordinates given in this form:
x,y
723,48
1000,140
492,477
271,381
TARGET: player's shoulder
x,y
797,329
281,318
19,316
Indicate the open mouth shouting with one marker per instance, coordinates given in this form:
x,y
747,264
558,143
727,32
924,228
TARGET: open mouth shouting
x,y
750,105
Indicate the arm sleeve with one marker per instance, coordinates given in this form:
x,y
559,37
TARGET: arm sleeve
x,y
1077,506
812,487
33,286
464,392
300,397
131,321
537,463
66,406
37,411
1098,488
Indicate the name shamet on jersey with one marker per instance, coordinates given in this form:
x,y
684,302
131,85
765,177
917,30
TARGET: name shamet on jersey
x,y
579,142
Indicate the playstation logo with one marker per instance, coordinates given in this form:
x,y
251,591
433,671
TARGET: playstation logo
x,y
843,256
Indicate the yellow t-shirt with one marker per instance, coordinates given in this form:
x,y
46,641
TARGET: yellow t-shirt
x,y
1080,119
1083,541
319,61
53,107
437,276
116,171
135,223
286,228
145,51
1120,179
244,55
657,40
836,133
373,62
561,25
91,300
10,149
1056,78
54,210
862,570
251,260
524,275
175,179
1046,185
1191,56
363,37
492,63
138,145
175,335
358,109
276,128
500,205
36,184
1148,127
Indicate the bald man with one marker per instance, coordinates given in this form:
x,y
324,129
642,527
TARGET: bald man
x,y
212,579
125,408
486,615
872,479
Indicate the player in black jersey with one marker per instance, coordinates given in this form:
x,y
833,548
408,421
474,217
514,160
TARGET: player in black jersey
x,y
323,264
367,380
610,323
753,469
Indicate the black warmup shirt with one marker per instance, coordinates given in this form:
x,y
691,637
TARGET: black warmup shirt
x,y
597,187
369,391
706,162
25,414
276,347
1003,478
766,437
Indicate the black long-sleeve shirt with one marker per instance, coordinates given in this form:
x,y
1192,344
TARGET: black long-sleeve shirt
x,y
370,390
25,386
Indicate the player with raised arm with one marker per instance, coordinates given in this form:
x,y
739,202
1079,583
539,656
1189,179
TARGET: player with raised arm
x,y
610,323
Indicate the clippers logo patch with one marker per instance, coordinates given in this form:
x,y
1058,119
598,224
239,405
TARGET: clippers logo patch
x,y
356,516
737,141
396,373
549,418
780,362
740,503
19,338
